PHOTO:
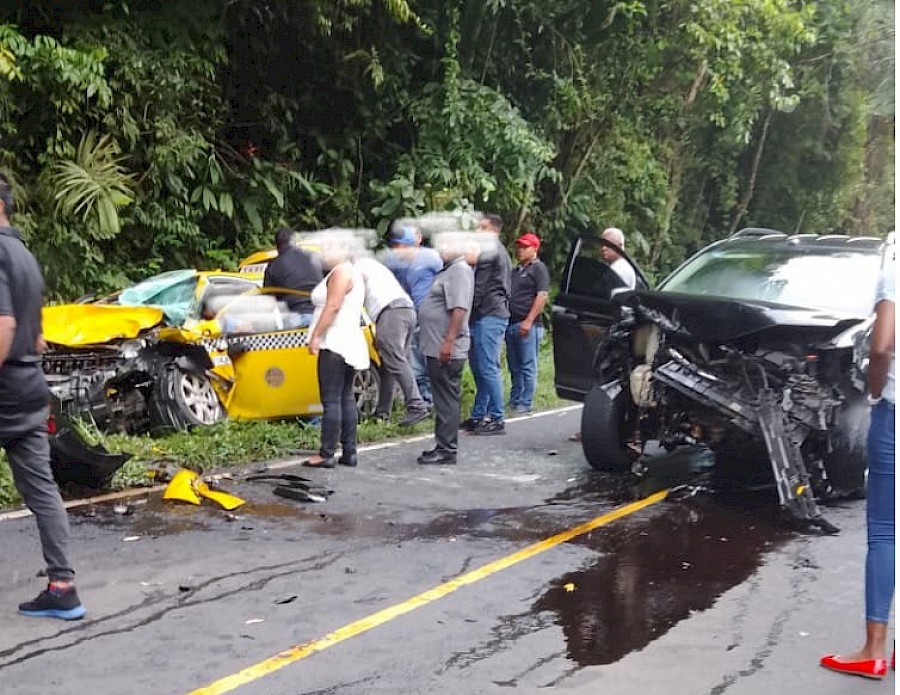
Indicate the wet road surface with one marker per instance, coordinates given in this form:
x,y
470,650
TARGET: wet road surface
x,y
702,593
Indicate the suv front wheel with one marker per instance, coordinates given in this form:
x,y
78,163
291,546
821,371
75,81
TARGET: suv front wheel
x,y
605,430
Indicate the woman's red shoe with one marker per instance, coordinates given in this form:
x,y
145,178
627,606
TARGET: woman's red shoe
x,y
867,668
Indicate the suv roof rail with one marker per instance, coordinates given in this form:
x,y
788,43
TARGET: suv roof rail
x,y
756,232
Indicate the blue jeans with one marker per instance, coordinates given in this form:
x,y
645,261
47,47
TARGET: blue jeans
x,y
880,514
522,360
484,360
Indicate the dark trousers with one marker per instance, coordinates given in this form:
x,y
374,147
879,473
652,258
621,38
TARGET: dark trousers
x,y
445,390
28,452
339,414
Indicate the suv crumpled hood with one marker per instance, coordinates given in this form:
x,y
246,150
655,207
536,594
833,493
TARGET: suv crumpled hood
x,y
728,320
80,325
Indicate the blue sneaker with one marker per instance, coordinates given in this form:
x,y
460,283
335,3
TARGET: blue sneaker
x,y
53,602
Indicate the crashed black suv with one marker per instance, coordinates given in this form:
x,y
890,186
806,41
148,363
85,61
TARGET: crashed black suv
x,y
755,347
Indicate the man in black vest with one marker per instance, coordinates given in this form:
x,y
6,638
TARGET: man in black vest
x,y
24,410
294,269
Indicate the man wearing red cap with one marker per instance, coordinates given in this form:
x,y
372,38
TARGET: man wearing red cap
x,y
528,294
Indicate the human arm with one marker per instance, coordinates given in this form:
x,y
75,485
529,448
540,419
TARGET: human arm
x,y
339,284
457,316
537,306
7,317
542,292
882,352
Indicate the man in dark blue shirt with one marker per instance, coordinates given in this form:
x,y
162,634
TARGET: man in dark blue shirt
x,y
24,410
415,267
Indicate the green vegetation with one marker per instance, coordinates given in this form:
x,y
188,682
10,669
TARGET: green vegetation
x,y
231,444
144,135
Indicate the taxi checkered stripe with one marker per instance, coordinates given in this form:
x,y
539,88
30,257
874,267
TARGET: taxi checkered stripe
x,y
266,341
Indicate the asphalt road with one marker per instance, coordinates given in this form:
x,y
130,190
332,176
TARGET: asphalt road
x,y
705,593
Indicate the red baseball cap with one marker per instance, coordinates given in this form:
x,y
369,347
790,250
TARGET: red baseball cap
x,y
529,239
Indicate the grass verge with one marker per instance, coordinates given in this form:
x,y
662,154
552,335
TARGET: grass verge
x,y
232,443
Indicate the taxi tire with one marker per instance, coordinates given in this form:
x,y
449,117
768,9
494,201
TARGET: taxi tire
x,y
366,391
170,410
603,426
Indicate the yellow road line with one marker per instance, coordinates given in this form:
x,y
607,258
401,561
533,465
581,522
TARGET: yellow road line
x,y
301,651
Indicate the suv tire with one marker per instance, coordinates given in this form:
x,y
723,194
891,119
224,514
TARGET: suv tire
x,y
604,428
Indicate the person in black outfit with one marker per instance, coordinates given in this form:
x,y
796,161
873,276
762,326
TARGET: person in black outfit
x,y
24,399
294,269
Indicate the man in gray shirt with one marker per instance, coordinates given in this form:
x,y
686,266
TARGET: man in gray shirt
x,y
444,341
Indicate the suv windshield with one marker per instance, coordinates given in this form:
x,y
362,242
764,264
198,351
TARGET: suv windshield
x,y
838,280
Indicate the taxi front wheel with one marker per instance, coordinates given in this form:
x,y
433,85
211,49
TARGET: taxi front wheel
x,y
185,399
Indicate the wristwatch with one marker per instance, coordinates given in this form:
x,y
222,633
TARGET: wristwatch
x,y
873,400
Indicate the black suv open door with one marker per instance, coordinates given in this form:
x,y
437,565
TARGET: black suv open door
x,y
582,313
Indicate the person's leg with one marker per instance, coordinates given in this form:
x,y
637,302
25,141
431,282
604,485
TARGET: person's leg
x,y
420,368
28,453
331,384
493,332
445,387
880,521
530,349
514,364
476,352
29,460
349,413
394,333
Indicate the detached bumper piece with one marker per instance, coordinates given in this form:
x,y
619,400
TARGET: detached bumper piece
x,y
791,477
75,461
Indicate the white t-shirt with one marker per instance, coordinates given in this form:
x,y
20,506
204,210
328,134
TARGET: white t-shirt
x,y
344,336
382,286
625,271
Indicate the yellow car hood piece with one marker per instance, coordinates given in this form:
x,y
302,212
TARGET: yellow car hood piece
x,y
187,486
78,325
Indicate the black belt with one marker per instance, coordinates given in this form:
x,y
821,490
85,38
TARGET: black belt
x,y
398,304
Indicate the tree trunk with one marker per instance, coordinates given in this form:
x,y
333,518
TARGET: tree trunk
x,y
754,172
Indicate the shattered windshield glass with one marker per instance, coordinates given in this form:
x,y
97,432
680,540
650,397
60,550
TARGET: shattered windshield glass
x,y
173,292
839,281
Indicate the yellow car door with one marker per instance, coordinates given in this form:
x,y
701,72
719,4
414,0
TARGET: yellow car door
x,y
274,375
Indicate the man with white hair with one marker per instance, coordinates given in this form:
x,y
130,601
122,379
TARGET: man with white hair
x,y
614,258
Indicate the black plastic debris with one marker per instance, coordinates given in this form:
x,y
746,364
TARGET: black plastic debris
x,y
293,487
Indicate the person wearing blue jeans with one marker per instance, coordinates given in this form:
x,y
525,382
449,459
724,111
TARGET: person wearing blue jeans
x,y
415,267
871,661
489,319
529,287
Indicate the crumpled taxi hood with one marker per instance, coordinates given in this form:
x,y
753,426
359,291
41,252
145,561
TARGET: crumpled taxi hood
x,y
79,325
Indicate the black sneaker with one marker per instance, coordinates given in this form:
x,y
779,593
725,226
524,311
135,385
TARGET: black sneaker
x,y
470,425
490,427
54,603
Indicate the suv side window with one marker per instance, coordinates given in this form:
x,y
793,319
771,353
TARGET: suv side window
x,y
590,275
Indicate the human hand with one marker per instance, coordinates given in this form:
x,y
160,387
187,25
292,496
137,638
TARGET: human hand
x,y
446,352
314,343
524,329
